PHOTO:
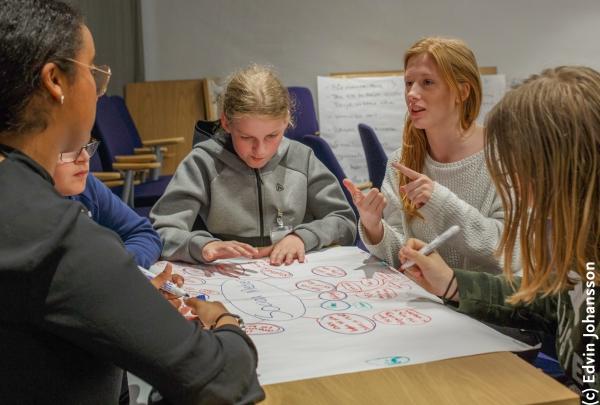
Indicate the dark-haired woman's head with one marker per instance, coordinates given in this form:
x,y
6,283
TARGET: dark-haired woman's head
x,y
46,72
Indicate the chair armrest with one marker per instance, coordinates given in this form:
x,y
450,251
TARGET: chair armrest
x,y
135,158
139,151
365,185
163,141
136,166
107,176
113,183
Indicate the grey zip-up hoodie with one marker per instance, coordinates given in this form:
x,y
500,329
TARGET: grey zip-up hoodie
x,y
214,195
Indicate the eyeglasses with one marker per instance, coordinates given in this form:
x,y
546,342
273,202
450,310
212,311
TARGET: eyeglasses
x,y
101,75
69,157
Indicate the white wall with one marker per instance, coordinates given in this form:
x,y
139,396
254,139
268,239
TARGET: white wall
x,y
304,38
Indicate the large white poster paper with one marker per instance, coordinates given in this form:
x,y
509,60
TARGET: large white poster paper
x,y
341,311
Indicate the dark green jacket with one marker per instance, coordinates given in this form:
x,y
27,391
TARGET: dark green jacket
x,y
572,316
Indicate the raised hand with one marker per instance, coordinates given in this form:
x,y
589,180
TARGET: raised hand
x,y
419,189
370,208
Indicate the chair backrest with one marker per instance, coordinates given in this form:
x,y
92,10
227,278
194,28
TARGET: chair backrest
x,y
325,154
304,115
96,163
121,107
112,131
374,154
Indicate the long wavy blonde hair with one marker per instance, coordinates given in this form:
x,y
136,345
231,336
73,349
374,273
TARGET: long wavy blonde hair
x,y
543,153
457,65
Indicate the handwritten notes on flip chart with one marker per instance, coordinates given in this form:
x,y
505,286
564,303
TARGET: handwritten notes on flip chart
x,y
494,87
378,102
346,102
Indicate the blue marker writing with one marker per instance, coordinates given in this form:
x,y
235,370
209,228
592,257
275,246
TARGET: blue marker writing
x,y
169,286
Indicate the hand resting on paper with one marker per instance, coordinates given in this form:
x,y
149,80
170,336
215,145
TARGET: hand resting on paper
x,y
285,251
227,250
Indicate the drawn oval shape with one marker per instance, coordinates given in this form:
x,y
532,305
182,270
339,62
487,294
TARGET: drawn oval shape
x,y
333,295
276,273
315,285
335,305
329,271
259,328
350,287
370,283
262,300
347,324
404,316
363,305
389,361
379,294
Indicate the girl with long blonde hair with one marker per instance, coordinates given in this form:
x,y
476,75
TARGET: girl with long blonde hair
x,y
542,148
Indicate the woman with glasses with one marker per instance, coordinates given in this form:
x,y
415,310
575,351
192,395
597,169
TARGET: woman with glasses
x,y
73,180
75,309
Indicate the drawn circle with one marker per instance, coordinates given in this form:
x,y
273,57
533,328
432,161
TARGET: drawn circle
x,y
347,324
262,329
333,295
399,285
384,276
335,305
314,285
371,283
207,291
405,316
350,287
262,300
389,361
195,279
275,273
380,294
329,271
363,305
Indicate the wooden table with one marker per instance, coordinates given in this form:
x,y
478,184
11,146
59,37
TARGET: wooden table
x,y
494,378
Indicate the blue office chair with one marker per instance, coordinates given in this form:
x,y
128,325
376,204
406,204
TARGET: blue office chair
x,y
112,131
304,114
325,154
374,153
158,147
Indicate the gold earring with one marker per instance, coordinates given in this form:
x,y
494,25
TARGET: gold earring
x,y
62,99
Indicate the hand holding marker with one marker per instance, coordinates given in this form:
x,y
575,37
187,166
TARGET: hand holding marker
x,y
169,286
431,246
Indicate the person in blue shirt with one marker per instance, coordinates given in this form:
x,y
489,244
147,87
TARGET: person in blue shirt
x,y
73,180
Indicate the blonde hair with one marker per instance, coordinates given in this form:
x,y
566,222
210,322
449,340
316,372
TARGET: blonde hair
x,y
255,90
543,153
457,66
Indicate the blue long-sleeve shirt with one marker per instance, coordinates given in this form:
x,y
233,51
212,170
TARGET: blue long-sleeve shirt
x,y
108,210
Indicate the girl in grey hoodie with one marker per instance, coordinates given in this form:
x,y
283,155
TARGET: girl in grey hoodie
x,y
246,191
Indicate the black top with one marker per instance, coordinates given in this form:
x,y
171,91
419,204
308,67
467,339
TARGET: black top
x,y
74,310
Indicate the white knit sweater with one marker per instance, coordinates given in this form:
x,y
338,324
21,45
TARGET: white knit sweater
x,y
464,195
